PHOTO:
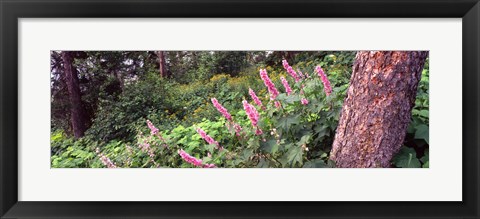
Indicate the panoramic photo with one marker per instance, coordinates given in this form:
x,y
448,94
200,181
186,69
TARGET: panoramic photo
x,y
239,109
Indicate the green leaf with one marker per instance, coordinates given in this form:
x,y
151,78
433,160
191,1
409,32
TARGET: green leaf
x,y
406,158
317,163
426,165
422,132
247,153
263,163
423,113
304,140
425,159
209,147
269,146
331,164
292,99
294,155
206,159
286,122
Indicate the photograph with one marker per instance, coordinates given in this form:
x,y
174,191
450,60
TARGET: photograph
x,y
239,109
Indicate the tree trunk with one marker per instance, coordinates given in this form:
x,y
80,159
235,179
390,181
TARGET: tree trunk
x,y
377,109
77,115
161,62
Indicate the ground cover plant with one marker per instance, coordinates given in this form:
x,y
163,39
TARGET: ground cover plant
x,y
252,109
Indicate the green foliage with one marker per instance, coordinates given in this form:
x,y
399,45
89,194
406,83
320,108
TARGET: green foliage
x,y
406,158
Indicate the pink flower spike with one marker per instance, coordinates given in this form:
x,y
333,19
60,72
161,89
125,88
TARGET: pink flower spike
x,y
277,104
190,159
286,85
105,160
290,70
269,84
238,129
253,115
326,83
304,101
254,97
153,129
207,138
209,166
300,73
221,109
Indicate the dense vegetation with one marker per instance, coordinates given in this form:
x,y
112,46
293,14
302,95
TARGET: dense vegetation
x,y
202,111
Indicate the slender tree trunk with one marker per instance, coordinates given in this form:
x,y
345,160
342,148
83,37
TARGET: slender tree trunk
x,y
161,62
77,112
377,109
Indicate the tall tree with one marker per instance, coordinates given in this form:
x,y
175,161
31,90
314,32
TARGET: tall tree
x,y
161,63
77,112
377,109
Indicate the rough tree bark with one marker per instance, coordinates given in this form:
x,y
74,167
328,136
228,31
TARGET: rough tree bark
x,y
77,112
161,62
377,109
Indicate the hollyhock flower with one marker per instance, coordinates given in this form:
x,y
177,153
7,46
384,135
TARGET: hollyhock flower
x,y
193,160
277,104
304,101
251,113
269,84
153,129
189,158
221,109
144,146
105,160
286,85
290,70
300,73
207,138
326,83
209,166
238,129
254,97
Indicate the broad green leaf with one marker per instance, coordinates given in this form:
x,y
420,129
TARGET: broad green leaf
x,y
209,147
294,155
304,140
422,132
292,99
425,159
426,165
269,146
317,163
423,113
406,158
263,163
286,122
247,153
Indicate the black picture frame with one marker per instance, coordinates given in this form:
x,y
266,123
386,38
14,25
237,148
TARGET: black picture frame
x,y
12,10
